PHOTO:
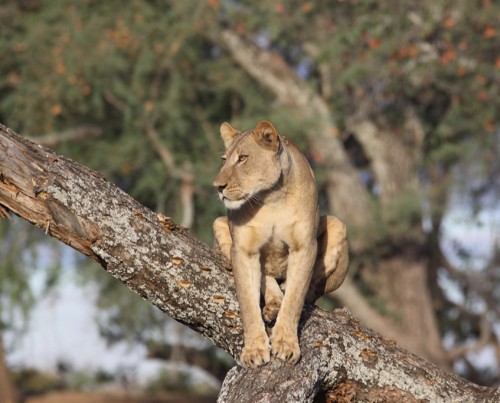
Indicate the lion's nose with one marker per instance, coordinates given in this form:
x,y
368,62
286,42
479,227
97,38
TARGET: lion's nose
x,y
220,188
219,185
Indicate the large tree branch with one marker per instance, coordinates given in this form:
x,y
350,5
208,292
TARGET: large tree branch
x,y
186,279
148,252
387,148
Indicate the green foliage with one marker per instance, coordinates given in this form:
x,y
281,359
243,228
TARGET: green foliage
x,y
86,379
169,380
151,64
176,379
30,381
441,58
33,382
394,222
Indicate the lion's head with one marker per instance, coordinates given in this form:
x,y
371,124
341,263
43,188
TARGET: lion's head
x,y
251,164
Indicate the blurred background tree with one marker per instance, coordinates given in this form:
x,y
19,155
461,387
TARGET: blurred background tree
x,y
395,103
22,255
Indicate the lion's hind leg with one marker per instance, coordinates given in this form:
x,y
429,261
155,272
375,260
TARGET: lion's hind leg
x,y
273,296
332,260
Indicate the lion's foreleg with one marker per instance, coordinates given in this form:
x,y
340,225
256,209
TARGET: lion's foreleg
x,y
247,277
284,339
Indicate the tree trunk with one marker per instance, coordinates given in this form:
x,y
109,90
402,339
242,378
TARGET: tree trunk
x,y
410,299
164,264
400,279
7,389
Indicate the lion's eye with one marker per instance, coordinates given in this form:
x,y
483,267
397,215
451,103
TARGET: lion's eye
x,y
223,158
242,158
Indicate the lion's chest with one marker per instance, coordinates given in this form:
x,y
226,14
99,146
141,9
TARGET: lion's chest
x,y
274,258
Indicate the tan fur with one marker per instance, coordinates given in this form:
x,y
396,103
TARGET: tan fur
x,y
276,241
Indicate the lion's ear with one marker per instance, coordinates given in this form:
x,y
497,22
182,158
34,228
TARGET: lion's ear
x,y
228,133
266,135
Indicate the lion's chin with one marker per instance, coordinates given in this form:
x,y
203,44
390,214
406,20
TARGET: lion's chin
x,y
234,204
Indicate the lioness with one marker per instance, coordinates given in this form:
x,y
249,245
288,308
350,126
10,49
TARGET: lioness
x,y
274,237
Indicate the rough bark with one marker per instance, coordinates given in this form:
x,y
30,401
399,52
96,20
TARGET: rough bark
x,y
353,364
148,252
163,263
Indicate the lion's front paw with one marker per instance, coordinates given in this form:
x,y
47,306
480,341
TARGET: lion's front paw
x,y
285,346
255,353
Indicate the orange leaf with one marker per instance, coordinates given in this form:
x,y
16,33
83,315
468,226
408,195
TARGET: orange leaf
x,y
460,71
489,126
86,89
56,109
481,79
317,157
148,106
240,29
126,168
489,32
307,7
14,78
447,57
408,51
373,43
483,96
449,22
